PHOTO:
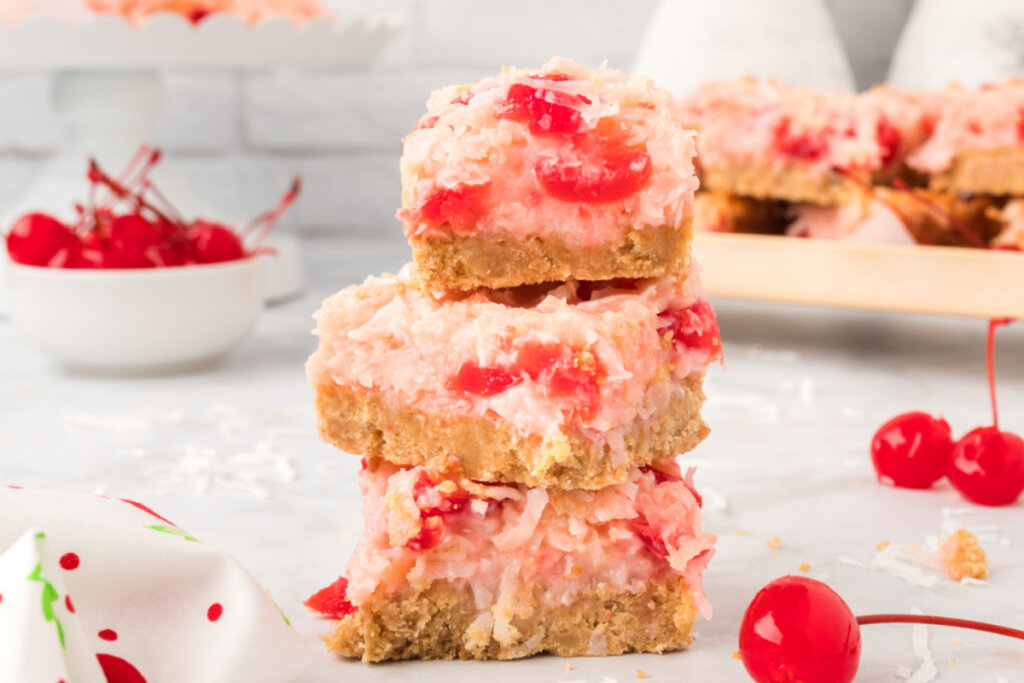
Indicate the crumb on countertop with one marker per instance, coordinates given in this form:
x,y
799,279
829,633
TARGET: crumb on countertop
x,y
737,656
963,557
882,545
568,666
742,532
773,542
640,673
805,567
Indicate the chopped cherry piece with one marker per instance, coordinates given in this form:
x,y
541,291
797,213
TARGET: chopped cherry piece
x,y
451,501
479,381
332,601
605,176
803,146
544,111
987,466
565,372
459,207
799,629
650,536
912,450
37,240
695,328
215,243
430,536
464,98
889,139
426,122
660,476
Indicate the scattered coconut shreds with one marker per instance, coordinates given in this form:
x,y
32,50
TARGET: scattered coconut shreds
x,y
139,422
926,671
805,567
737,655
963,557
892,561
640,673
774,543
202,468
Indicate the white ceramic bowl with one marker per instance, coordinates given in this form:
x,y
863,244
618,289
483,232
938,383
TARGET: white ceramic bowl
x,y
145,320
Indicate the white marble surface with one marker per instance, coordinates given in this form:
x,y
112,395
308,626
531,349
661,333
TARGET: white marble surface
x,y
231,454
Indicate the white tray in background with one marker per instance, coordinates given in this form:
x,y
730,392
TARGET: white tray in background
x,y
908,279
170,40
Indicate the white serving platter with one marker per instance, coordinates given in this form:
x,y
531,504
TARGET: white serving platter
x,y
911,279
170,40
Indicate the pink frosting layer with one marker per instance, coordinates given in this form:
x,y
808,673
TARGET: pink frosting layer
x,y
426,523
627,346
474,137
747,120
990,117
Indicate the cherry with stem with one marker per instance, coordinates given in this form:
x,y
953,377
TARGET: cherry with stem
x,y
797,629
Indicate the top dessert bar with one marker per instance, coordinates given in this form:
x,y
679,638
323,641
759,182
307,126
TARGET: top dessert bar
x,y
554,174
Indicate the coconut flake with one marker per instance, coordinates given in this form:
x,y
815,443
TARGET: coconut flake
x,y
202,468
926,671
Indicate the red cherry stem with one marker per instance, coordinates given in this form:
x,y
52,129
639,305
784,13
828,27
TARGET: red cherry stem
x,y
955,222
265,222
990,354
939,621
98,175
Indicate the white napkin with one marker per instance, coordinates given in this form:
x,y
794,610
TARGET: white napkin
x,y
96,589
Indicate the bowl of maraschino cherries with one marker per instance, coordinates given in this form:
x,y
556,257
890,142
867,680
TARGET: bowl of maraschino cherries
x,y
132,286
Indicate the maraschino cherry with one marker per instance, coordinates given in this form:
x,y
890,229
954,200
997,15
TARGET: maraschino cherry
x,y
987,466
128,223
912,450
798,630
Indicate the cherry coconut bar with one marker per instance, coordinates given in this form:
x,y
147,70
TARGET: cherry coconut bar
x,y
765,140
977,142
554,174
449,567
563,385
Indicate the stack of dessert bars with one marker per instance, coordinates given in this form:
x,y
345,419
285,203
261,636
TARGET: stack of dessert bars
x,y
520,392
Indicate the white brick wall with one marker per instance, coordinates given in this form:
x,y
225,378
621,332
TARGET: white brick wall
x,y
239,136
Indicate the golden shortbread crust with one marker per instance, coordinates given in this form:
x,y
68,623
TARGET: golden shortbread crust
x,y
790,182
993,171
471,261
437,624
358,421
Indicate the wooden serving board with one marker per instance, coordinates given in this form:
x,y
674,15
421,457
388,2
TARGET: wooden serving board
x,y
915,279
